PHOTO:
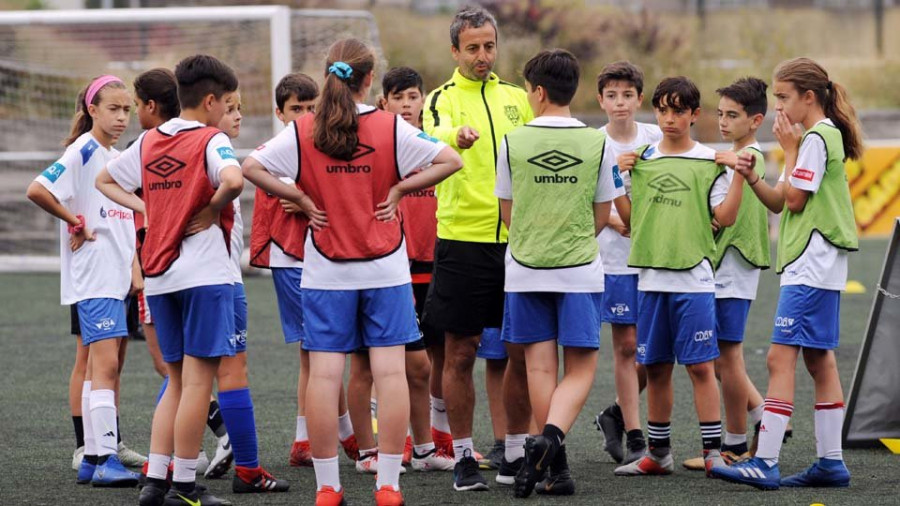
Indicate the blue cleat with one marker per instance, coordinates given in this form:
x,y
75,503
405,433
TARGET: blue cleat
x,y
85,472
113,474
823,473
754,472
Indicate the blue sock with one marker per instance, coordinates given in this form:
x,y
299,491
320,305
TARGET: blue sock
x,y
162,389
237,411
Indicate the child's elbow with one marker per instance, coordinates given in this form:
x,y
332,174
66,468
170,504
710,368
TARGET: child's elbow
x,y
795,205
32,192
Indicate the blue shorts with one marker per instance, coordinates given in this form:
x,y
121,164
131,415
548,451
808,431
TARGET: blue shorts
x,y
101,319
345,320
620,299
731,319
678,326
491,346
240,318
807,317
290,305
572,319
196,321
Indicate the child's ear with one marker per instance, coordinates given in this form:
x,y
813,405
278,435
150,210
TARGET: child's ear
x,y
640,99
279,115
209,101
757,121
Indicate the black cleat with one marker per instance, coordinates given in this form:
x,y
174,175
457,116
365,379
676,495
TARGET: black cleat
x,y
612,428
247,481
466,476
508,471
560,483
539,453
153,494
199,496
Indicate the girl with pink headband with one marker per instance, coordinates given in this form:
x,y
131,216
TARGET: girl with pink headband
x,y
98,271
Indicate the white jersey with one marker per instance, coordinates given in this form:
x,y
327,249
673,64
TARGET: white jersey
x,y
414,149
237,242
615,248
581,279
203,258
700,279
100,268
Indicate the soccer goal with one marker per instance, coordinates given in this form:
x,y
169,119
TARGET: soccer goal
x,y
46,57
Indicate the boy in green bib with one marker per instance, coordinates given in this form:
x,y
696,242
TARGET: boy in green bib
x,y
677,189
555,197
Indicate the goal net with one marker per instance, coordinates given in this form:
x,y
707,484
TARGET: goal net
x,y
47,57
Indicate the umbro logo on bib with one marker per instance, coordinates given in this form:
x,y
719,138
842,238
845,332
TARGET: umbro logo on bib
x,y
555,161
165,166
668,183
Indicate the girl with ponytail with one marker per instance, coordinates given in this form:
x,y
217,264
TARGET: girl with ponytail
x,y
818,130
351,160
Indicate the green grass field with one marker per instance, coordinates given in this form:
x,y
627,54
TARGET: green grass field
x,y
37,441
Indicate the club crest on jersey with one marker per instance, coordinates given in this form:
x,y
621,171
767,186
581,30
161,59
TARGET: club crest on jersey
x,y
53,172
642,350
620,309
512,114
87,150
105,324
102,212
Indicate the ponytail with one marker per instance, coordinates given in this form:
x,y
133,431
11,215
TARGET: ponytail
x,y
336,123
82,122
807,75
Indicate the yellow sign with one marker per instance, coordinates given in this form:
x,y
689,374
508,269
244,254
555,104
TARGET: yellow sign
x,y
892,444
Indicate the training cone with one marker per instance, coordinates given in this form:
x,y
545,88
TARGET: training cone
x,y
892,444
855,287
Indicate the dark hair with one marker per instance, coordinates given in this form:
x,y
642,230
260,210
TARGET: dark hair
x,y
472,16
201,75
680,93
337,121
621,71
82,122
750,92
399,79
297,84
159,85
807,75
556,70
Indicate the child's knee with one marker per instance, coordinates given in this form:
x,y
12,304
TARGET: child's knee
x,y
702,372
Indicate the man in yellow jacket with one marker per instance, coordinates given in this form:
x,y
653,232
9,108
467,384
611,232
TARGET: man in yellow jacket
x,y
472,112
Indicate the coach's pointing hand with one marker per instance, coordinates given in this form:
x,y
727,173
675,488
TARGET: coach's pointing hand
x,y
466,137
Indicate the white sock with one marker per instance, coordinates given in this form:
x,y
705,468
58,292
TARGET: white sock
x,y
734,439
756,414
771,433
345,428
373,407
439,415
185,470
514,447
829,421
420,450
103,420
301,434
158,466
327,473
90,444
388,470
463,448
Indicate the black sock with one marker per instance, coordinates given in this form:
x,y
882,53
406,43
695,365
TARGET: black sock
x,y
659,438
635,439
102,460
118,430
215,421
554,434
78,424
91,459
711,432
185,487
738,449
158,482
560,462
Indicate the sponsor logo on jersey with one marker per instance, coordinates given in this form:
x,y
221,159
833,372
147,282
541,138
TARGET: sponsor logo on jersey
x,y
53,172
422,193
804,174
703,336
88,150
555,161
106,324
225,152
513,114
164,167
424,136
349,168
116,214
784,321
261,147
617,177
620,309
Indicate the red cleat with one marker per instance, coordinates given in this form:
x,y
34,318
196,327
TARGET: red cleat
x,y
442,440
407,450
300,454
387,496
351,448
328,497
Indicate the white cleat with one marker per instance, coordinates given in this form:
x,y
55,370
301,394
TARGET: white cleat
x,y
202,462
435,460
129,457
221,462
647,465
77,457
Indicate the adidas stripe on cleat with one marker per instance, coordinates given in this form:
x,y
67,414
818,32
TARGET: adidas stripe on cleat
x,y
258,480
648,465
754,472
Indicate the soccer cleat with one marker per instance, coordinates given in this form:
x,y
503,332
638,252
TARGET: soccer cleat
x,y
143,480
508,470
434,460
694,464
754,472
712,459
200,496
129,457
301,456
556,483
494,457
367,463
636,449
539,452
77,458
466,476
202,462
327,496
85,472
351,448
387,496
443,440
612,429
221,462
112,473
823,473
407,450
152,494
731,457
648,465
249,480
